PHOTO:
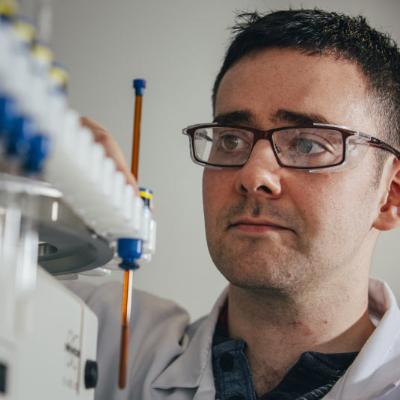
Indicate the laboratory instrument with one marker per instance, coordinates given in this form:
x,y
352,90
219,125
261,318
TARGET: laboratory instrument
x,y
63,208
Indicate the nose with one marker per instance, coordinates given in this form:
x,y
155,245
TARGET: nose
x,y
259,175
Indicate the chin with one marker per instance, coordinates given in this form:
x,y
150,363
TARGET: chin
x,y
255,265
271,279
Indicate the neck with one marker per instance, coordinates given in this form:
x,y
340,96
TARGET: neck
x,y
278,327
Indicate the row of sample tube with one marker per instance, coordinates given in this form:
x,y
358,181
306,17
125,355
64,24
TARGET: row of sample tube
x,y
40,136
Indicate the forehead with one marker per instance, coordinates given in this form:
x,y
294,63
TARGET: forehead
x,y
284,79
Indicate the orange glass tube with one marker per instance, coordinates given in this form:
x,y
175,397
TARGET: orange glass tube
x,y
124,347
137,117
128,275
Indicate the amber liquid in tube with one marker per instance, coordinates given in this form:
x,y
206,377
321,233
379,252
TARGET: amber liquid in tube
x,y
128,275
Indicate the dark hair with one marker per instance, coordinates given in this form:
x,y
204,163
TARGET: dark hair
x,y
318,32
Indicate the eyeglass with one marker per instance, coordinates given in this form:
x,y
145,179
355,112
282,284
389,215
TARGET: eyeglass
x,y
309,147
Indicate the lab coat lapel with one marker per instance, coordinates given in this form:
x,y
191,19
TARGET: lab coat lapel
x,y
375,371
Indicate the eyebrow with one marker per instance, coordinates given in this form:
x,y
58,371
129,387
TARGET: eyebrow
x,y
299,117
294,117
234,117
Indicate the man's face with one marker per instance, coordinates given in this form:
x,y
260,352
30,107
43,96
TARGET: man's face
x,y
324,219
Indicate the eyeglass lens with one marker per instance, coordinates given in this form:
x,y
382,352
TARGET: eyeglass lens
x,y
297,147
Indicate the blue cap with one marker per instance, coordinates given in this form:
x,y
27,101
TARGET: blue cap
x,y
139,86
8,113
129,250
37,154
17,139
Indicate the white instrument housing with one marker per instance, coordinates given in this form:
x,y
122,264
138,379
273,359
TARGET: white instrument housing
x,y
63,327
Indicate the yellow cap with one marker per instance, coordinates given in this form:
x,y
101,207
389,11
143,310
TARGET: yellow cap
x,y
59,75
25,30
42,53
8,8
144,194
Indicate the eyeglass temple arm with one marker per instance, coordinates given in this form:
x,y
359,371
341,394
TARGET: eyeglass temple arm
x,y
374,142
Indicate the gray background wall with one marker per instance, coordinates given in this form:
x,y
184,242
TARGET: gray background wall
x,y
177,46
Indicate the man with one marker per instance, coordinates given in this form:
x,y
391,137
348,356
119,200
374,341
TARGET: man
x,y
294,198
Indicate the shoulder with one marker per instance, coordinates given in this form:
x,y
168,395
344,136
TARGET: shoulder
x,y
159,334
105,301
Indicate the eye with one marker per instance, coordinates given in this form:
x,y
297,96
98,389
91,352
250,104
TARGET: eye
x,y
232,142
308,146
307,143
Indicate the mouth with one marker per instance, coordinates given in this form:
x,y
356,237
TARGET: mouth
x,y
255,226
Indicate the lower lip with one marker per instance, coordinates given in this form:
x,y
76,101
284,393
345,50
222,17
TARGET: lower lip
x,y
248,228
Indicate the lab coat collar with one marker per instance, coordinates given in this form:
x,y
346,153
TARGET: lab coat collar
x,y
373,373
193,368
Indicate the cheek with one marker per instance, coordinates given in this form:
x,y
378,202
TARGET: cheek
x,y
209,201
206,192
335,202
311,195
217,190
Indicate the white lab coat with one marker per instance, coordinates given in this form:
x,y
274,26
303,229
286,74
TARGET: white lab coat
x,y
171,358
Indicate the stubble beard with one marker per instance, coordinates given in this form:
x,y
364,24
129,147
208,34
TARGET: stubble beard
x,y
278,264
262,267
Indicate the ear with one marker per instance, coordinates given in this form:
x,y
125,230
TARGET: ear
x,y
389,215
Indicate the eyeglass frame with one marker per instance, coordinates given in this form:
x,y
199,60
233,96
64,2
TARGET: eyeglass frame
x,y
267,135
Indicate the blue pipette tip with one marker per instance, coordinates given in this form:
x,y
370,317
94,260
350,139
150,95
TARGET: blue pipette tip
x,y
139,85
